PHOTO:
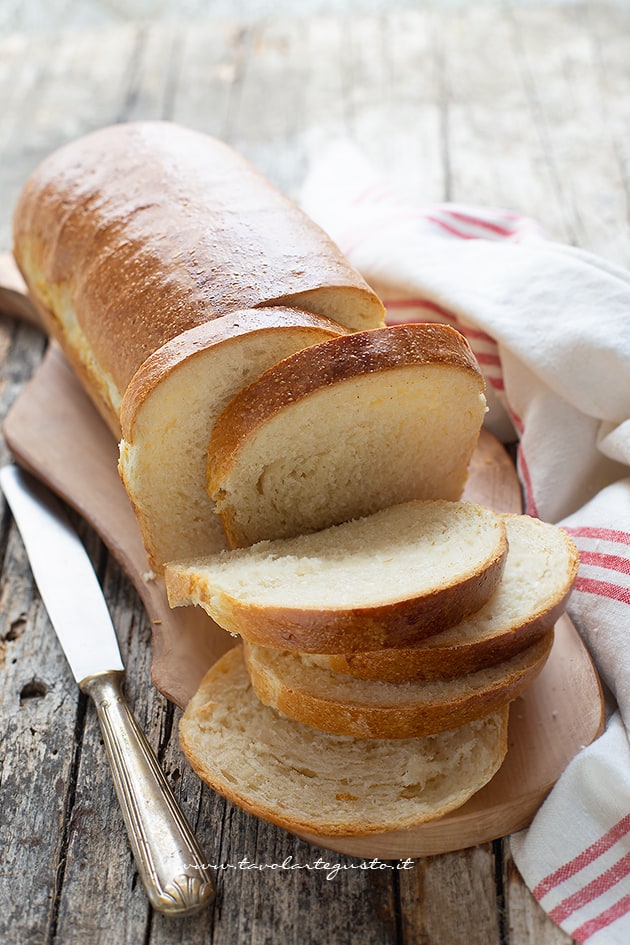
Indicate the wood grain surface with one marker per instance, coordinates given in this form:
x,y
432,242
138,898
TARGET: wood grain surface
x,y
537,122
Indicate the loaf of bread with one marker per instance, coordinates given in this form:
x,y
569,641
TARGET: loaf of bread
x,y
388,579
308,692
339,430
539,573
240,359
169,410
309,781
138,232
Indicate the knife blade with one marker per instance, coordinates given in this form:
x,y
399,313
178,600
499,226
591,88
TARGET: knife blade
x,y
169,860
64,575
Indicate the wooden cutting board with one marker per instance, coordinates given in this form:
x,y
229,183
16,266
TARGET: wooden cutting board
x,y
54,431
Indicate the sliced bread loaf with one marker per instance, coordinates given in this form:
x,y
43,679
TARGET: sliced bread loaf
x,y
169,410
540,570
385,580
367,708
345,428
310,781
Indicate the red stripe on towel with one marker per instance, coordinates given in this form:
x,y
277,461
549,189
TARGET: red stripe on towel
x,y
530,502
603,920
591,853
592,890
453,230
608,534
603,589
483,358
611,562
439,310
421,303
478,221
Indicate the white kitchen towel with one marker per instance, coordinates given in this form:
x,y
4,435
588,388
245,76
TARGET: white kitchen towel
x,y
550,326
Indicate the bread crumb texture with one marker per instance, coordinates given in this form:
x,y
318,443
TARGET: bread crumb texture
x,y
345,428
415,548
405,571
307,780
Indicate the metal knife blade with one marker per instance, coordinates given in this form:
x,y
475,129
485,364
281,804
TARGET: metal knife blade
x,y
64,575
169,860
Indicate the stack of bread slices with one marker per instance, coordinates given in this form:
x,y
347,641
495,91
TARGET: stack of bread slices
x,y
386,625
245,368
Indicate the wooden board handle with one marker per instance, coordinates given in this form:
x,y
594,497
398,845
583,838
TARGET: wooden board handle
x,y
14,297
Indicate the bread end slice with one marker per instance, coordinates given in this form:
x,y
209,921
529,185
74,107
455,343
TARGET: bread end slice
x,y
325,785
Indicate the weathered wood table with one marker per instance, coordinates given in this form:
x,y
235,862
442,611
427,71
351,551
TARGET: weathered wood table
x,y
525,107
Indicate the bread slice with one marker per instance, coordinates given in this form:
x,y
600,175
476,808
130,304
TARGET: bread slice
x,y
540,570
304,690
345,428
385,580
169,410
310,781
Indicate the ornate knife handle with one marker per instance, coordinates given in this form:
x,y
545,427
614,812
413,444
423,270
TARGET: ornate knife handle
x,y
169,860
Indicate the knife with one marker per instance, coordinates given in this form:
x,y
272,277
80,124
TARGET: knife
x,y
169,860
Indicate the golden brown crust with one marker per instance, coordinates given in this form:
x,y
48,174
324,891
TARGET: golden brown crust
x,y
442,655
91,382
434,660
148,229
441,662
404,718
397,624
333,362
197,341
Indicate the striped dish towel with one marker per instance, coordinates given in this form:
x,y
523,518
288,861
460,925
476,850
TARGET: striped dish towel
x,y
550,326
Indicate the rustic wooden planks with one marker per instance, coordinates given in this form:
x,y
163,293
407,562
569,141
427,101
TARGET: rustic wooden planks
x,y
525,107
